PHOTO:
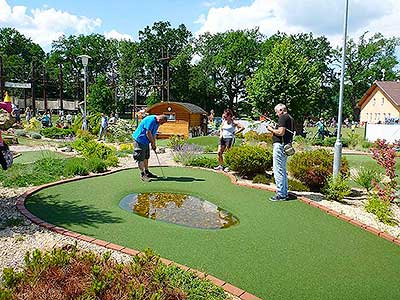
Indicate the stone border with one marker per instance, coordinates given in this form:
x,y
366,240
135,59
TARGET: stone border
x,y
229,288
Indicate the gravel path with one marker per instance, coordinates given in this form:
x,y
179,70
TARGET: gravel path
x,y
22,235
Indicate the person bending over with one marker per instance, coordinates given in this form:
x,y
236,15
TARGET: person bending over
x,y
144,136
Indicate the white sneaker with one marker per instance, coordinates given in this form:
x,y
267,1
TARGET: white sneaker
x,y
219,168
226,169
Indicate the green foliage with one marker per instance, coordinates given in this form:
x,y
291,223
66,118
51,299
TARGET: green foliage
x,y
249,160
121,131
56,133
20,132
203,161
313,168
36,136
365,176
89,148
100,98
295,185
262,178
76,166
97,165
253,136
380,209
336,189
366,144
175,142
33,125
145,277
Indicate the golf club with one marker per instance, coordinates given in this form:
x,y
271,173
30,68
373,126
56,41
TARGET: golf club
x,y
159,163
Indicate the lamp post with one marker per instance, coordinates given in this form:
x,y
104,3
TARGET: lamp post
x,y
85,60
338,144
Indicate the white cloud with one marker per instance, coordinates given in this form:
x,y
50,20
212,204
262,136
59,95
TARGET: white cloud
x,y
43,25
294,16
113,34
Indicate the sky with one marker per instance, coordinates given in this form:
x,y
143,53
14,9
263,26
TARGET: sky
x,y
45,20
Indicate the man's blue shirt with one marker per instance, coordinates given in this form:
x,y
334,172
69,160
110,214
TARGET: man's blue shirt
x,y
148,123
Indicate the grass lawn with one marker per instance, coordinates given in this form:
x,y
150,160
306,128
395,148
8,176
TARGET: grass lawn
x,y
286,250
32,156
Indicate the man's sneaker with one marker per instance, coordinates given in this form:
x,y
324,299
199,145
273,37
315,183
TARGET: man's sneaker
x,y
277,198
219,168
151,175
226,169
144,177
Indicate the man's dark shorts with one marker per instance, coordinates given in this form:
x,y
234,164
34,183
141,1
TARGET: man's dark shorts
x,y
227,142
141,151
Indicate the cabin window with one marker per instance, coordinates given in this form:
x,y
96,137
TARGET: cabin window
x,y
171,117
383,101
373,102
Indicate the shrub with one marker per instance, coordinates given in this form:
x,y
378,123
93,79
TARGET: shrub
x,y
366,144
126,147
56,133
89,148
121,131
204,162
365,176
176,141
33,125
96,165
20,132
76,274
187,153
380,209
262,178
253,136
295,185
336,189
36,136
249,160
313,168
76,166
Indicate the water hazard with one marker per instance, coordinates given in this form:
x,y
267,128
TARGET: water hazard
x,y
179,209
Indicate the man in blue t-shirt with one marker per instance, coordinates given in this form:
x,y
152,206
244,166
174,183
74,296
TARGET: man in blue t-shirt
x,y
144,135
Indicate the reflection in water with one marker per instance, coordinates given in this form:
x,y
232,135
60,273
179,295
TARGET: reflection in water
x,y
179,209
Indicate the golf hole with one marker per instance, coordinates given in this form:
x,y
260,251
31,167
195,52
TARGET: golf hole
x,y
179,209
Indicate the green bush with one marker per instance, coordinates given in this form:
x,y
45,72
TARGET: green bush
x,y
76,166
366,144
89,148
330,142
253,136
36,136
248,160
262,178
295,185
96,165
20,132
336,189
204,162
313,168
380,209
176,141
56,133
364,177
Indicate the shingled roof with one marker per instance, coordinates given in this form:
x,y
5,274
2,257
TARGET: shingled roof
x,y
391,90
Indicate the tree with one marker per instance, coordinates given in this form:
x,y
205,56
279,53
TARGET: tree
x,y
365,62
100,98
286,77
227,60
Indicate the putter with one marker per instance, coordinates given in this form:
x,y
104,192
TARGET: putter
x,y
159,163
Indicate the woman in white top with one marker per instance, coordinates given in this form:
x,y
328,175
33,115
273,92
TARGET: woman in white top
x,y
228,129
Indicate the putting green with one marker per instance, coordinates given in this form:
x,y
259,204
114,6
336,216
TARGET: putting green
x,y
286,250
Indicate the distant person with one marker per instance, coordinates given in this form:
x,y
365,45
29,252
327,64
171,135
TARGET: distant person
x,y
68,118
211,116
112,120
28,114
321,129
144,136
17,114
229,127
103,127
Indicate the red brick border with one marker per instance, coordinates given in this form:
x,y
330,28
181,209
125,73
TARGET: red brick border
x,y
226,286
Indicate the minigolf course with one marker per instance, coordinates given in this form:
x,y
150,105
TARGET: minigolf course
x,y
286,250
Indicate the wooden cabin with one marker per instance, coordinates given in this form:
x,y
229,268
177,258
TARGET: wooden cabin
x,y
184,119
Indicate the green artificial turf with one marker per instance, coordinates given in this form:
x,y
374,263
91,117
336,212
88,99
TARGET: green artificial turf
x,y
284,250
32,156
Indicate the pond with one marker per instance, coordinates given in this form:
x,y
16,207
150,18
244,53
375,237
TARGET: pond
x,y
180,209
